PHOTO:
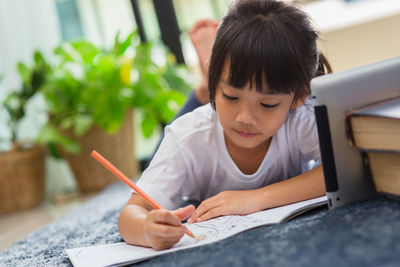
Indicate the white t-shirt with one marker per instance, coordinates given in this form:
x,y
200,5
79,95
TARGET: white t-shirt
x,y
193,161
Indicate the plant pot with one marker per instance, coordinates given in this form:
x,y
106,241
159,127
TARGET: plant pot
x,y
90,175
22,179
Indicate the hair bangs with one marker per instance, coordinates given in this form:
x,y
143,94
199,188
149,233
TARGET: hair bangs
x,y
263,57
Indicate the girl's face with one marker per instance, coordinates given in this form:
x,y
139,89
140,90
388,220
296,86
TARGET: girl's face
x,y
250,118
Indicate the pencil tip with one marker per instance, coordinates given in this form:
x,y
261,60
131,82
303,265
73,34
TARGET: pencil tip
x,y
189,233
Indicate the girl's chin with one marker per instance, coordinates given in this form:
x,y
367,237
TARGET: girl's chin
x,y
246,143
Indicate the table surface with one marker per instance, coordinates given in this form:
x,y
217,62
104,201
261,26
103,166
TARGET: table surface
x,y
360,234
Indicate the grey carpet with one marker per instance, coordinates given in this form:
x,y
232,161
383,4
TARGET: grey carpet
x,y
361,234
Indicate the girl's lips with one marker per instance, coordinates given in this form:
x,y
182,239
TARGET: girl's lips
x,y
245,134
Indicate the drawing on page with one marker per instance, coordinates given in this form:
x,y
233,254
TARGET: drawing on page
x,y
221,226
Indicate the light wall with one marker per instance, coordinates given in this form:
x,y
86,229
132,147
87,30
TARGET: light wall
x,y
25,25
356,33
102,19
362,44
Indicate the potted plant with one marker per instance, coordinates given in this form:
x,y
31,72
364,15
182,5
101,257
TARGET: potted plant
x,y
23,165
91,92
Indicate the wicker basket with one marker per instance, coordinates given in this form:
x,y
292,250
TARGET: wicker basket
x,y
22,179
118,149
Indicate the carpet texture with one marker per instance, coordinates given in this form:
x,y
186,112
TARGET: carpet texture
x,y
361,234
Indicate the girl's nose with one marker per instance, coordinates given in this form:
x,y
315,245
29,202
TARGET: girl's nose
x,y
246,115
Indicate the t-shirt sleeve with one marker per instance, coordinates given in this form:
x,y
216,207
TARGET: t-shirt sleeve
x,y
305,135
163,179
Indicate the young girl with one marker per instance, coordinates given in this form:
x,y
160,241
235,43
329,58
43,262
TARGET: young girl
x,y
249,149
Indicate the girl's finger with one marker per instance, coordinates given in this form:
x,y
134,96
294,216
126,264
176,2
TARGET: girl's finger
x,y
203,208
165,217
169,233
210,214
185,212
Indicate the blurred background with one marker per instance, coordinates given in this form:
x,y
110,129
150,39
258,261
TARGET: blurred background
x,y
72,72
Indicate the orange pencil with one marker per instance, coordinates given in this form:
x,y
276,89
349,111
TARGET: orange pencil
x,y
127,181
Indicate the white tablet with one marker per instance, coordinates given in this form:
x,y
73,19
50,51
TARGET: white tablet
x,y
333,96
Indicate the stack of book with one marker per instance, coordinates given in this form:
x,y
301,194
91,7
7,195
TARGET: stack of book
x,y
375,131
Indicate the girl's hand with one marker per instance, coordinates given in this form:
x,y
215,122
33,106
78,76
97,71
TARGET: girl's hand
x,y
163,229
227,203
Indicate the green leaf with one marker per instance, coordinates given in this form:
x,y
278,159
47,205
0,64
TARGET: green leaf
x,y
120,47
37,80
87,50
168,104
39,59
109,119
143,56
63,54
148,124
15,106
67,123
54,151
48,134
24,72
82,124
177,77
105,67
127,42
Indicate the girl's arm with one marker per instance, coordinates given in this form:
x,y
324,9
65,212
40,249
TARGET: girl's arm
x,y
305,186
308,185
140,224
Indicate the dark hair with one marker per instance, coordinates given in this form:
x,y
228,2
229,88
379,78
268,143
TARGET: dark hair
x,y
268,40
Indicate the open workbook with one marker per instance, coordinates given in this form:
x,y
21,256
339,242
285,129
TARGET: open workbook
x,y
119,254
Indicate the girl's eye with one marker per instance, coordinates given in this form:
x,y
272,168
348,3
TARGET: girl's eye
x,y
269,106
232,98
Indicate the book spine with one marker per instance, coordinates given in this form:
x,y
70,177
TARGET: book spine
x,y
349,129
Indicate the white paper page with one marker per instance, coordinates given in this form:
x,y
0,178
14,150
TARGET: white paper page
x,y
206,232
